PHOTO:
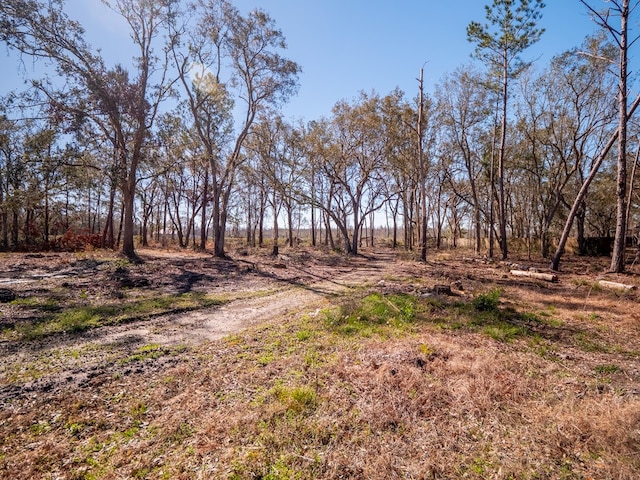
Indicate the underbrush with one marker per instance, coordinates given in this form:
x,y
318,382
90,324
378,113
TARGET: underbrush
x,y
376,385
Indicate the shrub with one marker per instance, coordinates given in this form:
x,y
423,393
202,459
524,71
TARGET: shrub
x,y
489,301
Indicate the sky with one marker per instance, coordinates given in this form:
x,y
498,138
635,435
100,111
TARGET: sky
x,y
348,46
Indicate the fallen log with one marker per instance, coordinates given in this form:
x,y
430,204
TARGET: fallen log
x,y
616,286
547,277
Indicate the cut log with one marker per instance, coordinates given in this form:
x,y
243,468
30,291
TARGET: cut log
x,y
616,286
547,277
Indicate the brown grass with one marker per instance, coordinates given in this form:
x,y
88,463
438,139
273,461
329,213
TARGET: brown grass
x,y
435,397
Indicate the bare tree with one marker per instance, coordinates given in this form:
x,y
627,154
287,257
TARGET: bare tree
x,y
356,169
462,106
562,118
623,10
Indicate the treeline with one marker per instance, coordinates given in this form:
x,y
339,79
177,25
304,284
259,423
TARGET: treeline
x,y
187,141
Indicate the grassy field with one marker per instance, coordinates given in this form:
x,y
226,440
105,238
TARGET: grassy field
x,y
377,384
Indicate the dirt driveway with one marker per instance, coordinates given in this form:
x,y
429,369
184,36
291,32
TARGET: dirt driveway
x,y
255,289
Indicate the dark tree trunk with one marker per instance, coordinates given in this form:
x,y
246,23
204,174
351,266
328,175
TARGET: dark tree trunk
x,y
203,216
619,243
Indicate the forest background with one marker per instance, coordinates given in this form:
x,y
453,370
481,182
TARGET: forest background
x,y
186,141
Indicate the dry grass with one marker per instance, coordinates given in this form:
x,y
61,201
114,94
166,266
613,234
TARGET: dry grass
x,y
433,393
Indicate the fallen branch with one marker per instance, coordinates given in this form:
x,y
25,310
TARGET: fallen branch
x,y
548,277
616,286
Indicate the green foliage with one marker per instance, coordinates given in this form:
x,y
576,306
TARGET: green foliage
x,y
374,314
40,428
304,335
74,428
151,351
589,342
183,432
503,331
280,471
297,399
487,302
484,314
47,305
511,30
607,369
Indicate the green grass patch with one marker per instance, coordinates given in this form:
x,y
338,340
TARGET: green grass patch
x,y
383,315
43,305
299,399
487,302
608,369
78,318
589,342
146,352
374,314
483,314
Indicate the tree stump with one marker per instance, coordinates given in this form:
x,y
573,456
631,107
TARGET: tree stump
x,y
7,295
442,290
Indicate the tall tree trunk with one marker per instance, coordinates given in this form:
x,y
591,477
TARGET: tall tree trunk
x,y
218,241
423,193
313,208
47,213
222,226
352,248
581,215
290,222
619,244
329,233
261,219
95,224
145,222
108,238
128,198
276,232
478,228
501,154
165,213
372,226
27,227
15,228
250,237
203,216
121,224
407,223
4,219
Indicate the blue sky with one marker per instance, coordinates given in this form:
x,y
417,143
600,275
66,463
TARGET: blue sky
x,y
346,46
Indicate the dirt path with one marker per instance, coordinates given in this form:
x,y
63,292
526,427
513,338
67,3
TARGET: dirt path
x,y
261,289
272,289
286,298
